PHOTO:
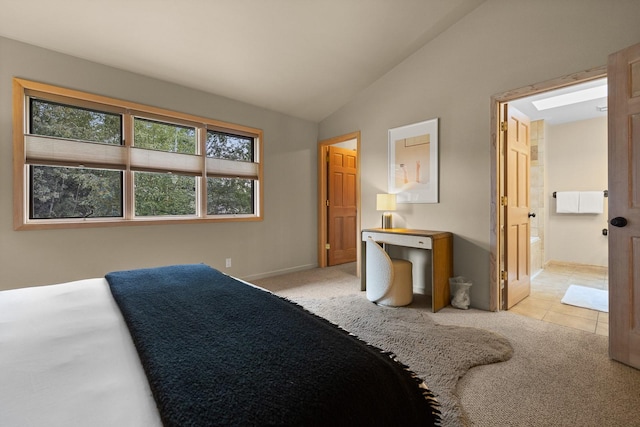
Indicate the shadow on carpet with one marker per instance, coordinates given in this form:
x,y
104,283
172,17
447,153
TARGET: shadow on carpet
x,y
439,354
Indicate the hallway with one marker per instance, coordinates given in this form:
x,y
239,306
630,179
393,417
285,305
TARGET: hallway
x,y
549,286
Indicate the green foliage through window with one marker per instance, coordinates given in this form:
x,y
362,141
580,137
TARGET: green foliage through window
x,y
164,194
87,157
60,192
226,146
230,196
65,121
164,137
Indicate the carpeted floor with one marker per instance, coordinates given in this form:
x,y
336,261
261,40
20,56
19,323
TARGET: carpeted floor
x,y
557,376
439,354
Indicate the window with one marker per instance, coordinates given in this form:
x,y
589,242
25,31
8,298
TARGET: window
x,y
156,135
87,160
229,195
61,192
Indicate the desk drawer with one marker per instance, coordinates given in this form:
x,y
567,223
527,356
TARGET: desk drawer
x,y
407,240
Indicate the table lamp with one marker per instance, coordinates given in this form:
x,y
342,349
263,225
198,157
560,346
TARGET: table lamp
x,y
386,203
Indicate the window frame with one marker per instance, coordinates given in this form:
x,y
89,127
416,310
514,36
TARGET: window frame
x,y
126,157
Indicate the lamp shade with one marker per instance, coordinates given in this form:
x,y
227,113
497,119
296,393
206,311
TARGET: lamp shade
x,y
386,202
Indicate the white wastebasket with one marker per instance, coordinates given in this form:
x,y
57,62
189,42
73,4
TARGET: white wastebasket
x,y
460,289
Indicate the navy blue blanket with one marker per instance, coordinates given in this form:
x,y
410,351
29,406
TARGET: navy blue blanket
x,y
217,351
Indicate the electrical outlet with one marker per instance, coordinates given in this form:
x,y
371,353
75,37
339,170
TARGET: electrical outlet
x,y
227,263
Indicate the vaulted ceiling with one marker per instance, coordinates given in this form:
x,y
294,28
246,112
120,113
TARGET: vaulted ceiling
x,y
305,58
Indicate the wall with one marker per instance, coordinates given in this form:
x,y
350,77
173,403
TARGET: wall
x,y
577,161
284,241
501,45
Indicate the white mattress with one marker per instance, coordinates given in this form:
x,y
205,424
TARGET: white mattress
x,y
67,359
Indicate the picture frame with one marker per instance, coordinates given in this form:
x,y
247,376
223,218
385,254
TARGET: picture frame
x,y
413,162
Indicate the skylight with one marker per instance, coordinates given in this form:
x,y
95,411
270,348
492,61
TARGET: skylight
x,y
571,98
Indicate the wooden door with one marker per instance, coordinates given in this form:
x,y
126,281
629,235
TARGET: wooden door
x,y
624,205
341,211
516,206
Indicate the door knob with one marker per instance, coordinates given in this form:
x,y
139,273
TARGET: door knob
x,y
618,221
532,215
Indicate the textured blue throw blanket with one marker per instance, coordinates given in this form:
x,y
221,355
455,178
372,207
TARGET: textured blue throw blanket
x,y
219,352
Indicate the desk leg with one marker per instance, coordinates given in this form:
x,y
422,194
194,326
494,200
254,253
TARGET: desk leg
x,y
363,266
441,271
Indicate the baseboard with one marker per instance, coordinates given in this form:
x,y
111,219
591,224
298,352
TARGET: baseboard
x,y
279,272
553,263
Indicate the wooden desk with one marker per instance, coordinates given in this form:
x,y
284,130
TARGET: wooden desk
x,y
438,243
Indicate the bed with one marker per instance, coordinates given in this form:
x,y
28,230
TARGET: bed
x,y
187,345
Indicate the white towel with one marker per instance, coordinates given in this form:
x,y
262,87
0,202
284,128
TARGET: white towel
x,y
567,201
591,202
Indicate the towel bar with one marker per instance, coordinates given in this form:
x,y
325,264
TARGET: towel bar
x,y
606,194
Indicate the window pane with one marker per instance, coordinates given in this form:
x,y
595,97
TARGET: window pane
x,y
164,194
226,146
61,192
164,137
227,196
65,121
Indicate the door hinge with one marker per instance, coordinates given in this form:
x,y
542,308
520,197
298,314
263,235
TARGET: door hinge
x,y
503,200
503,126
503,275
327,202
327,246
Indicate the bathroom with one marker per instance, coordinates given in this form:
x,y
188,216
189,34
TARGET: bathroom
x,y
568,153
569,251
568,157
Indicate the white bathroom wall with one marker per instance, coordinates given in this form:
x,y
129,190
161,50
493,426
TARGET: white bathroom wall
x,y
576,161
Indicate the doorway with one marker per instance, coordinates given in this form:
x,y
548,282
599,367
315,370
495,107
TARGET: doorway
x,y
345,240
569,251
499,237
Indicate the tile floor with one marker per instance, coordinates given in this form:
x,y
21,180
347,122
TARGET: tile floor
x,y
549,286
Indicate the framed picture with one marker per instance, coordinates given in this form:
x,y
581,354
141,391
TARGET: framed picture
x,y
413,162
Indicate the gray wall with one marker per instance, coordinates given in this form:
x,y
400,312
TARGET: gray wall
x,y
284,241
501,45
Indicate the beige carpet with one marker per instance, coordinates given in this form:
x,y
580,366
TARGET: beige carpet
x,y
557,376
439,354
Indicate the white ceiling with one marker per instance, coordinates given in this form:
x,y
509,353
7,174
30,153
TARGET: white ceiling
x,y
306,58
570,113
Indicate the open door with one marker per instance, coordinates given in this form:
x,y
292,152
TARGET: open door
x,y
352,142
341,210
624,205
517,261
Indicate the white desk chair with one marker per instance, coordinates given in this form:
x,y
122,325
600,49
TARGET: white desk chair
x,y
389,281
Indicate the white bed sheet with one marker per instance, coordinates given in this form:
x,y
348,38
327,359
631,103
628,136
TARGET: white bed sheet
x,y
67,359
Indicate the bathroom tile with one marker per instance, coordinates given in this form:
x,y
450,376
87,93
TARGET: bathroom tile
x,y
555,274
549,286
587,325
602,329
603,317
529,311
593,269
535,302
547,294
545,281
574,311
590,283
554,289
